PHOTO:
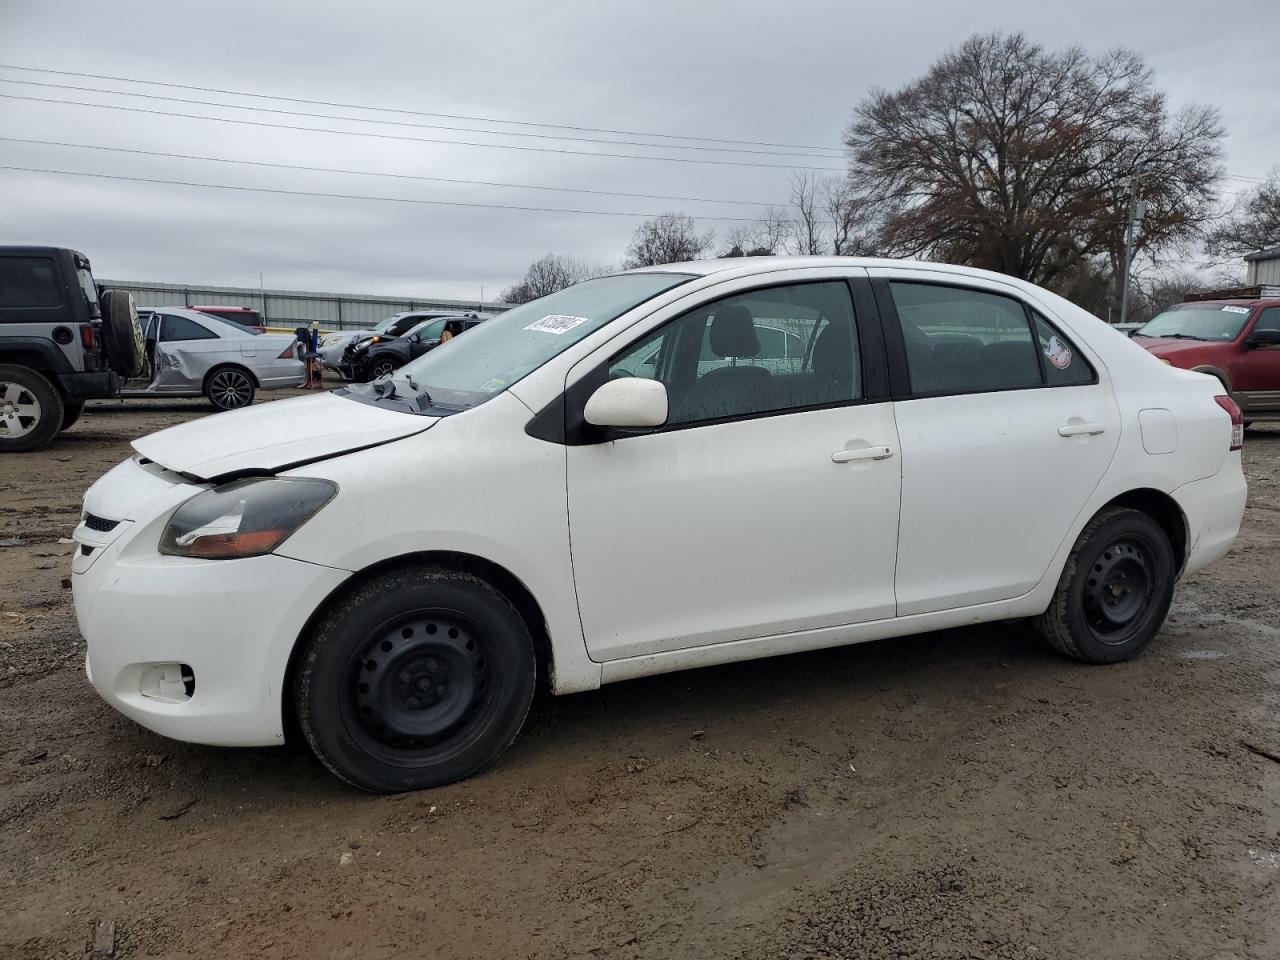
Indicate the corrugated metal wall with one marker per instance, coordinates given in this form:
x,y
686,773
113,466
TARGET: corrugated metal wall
x,y
1263,271
288,308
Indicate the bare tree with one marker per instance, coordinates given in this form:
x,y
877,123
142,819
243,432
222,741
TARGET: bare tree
x,y
1009,157
669,238
1253,225
850,217
808,234
549,274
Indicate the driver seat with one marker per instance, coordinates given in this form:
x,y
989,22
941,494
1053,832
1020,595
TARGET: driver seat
x,y
731,390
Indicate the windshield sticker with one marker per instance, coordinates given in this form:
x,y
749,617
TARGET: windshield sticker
x,y
1235,309
1057,353
493,384
556,323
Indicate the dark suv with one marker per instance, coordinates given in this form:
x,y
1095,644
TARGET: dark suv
x,y
63,341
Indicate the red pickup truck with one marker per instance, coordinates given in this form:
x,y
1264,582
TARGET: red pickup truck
x,y
1237,341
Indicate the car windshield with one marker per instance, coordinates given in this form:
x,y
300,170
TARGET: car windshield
x,y
1197,321
501,351
382,325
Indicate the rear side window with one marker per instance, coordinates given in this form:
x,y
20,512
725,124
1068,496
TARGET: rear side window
x,y
180,328
964,341
28,282
1064,365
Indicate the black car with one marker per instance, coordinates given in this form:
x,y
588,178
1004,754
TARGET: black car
x,y
376,357
63,340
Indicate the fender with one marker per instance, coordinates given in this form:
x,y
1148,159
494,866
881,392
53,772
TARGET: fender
x,y
1215,372
49,359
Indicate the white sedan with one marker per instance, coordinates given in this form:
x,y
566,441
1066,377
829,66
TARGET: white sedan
x,y
624,481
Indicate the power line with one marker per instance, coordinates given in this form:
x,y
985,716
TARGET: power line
x,y
402,137
351,196
405,123
417,113
372,173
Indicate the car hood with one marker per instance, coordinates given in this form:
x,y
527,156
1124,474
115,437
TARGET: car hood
x,y
268,437
1168,346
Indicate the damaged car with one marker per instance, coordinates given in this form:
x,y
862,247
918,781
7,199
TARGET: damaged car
x,y
191,354
624,479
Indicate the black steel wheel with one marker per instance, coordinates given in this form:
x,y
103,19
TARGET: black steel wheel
x,y
1115,590
420,677
229,388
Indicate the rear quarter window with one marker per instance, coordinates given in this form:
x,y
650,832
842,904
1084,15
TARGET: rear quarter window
x,y
1064,365
29,282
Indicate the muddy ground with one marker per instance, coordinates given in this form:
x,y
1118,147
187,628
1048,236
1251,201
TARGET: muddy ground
x,y
960,794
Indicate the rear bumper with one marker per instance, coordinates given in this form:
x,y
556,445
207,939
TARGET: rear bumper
x,y
1213,507
89,386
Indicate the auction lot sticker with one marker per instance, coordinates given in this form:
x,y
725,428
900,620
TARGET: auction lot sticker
x,y
556,323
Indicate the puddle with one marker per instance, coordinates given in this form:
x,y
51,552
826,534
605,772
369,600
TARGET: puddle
x,y
1265,858
1202,654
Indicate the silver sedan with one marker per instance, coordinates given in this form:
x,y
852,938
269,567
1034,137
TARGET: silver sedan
x,y
192,354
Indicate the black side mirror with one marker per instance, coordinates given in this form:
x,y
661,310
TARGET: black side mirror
x,y
1263,338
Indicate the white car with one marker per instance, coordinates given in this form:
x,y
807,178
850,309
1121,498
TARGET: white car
x,y
189,353
956,447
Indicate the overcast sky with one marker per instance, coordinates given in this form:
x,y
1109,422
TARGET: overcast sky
x,y
783,72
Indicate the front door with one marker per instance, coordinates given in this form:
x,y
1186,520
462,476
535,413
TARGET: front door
x,y
768,503
1256,372
1006,430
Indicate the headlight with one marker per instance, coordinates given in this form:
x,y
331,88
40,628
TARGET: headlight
x,y
246,518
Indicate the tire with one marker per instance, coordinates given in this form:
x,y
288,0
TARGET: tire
x,y
122,333
71,410
30,409
229,388
382,367
1115,590
420,677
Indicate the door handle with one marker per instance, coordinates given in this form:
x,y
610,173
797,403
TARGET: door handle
x,y
1076,429
848,455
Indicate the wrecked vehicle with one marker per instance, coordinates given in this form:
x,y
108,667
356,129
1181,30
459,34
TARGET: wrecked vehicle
x,y
192,354
951,447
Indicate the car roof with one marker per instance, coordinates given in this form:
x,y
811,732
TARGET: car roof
x,y
210,322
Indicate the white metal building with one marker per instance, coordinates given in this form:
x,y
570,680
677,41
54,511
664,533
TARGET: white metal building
x,y
1263,269
290,308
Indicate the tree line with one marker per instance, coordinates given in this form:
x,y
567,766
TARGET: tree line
x,y
1009,157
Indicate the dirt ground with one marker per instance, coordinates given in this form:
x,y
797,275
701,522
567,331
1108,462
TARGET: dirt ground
x,y
959,794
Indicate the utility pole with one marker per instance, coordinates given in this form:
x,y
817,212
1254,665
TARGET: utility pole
x,y
1137,210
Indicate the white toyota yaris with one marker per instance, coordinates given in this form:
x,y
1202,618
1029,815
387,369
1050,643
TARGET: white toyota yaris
x,y
666,468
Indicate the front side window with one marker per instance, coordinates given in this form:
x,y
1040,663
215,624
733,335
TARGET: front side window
x,y
731,357
964,341
1269,319
173,329
28,282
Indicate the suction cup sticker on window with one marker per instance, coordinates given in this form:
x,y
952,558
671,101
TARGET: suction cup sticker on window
x,y
1057,353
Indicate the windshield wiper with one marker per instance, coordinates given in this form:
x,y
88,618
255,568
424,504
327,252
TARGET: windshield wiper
x,y
1181,336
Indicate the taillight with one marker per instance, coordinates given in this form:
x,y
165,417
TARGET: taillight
x,y
1237,420
290,352
88,336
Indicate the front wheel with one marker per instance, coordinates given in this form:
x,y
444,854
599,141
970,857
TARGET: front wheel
x,y
382,368
418,678
229,388
1115,590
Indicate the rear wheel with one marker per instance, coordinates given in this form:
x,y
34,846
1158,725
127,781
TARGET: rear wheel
x,y
229,388
30,409
420,677
1115,590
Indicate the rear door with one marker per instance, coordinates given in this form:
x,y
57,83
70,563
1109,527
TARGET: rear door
x,y
1006,425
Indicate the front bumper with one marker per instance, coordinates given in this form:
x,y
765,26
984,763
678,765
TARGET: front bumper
x,y
1213,507
231,623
